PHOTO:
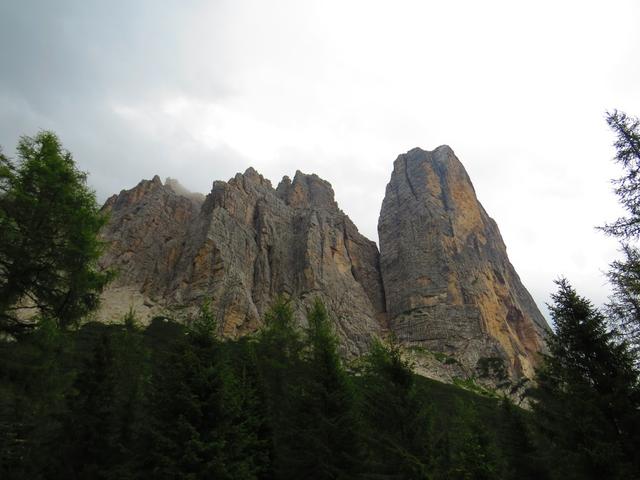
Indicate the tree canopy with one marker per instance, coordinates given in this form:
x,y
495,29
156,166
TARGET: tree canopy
x,y
588,395
49,245
624,306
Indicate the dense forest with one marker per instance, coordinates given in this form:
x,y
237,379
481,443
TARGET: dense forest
x,y
175,401
81,400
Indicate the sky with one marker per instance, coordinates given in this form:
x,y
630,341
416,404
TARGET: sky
x,y
200,90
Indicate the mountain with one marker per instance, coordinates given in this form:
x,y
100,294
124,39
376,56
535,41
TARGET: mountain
x,y
441,282
448,282
239,248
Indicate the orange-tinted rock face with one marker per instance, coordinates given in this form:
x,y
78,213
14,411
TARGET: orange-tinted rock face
x,y
448,282
240,248
442,280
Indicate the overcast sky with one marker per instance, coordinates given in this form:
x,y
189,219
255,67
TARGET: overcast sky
x,y
201,90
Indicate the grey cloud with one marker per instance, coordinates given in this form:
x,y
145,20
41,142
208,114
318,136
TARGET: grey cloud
x,y
340,89
65,63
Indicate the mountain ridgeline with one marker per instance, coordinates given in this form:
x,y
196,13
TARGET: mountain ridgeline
x,y
441,282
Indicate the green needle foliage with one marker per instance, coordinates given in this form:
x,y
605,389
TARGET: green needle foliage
x,y
624,306
281,370
49,222
327,424
202,419
627,145
176,401
399,427
588,395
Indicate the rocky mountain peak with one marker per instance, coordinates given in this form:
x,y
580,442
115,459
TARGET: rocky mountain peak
x,y
307,191
144,189
245,245
448,282
441,281
250,178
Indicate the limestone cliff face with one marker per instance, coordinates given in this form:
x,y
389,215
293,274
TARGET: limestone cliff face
x,y
448,282
239,248
442,282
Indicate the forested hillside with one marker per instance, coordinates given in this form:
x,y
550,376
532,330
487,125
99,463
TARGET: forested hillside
x,y
174,401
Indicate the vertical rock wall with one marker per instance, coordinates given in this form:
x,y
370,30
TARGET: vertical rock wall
x,y
448,282
442,282
240,248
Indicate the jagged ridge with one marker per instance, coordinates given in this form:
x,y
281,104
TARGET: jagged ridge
x,y
448,284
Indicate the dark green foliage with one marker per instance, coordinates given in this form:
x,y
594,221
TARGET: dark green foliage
x,y
202,417
467,449
627,145
175,401
35,376
398,426
49,221
516,437
90,433
588,395
309,396
328,446
281,370
624,306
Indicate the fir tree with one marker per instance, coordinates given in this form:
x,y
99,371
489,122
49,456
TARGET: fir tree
x,y
587,399
398,422
521,454
279,357
467,449
199,423
34,379
89,440
310,399
328,447
624,306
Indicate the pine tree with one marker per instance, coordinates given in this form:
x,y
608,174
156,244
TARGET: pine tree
x,y
34,378
624,306
326,425
89,440
200,424
467,449
517,440
398,427
281,371
588,397
627,145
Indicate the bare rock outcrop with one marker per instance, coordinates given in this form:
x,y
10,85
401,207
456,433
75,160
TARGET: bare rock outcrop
x,y
239,248
442,282
448,282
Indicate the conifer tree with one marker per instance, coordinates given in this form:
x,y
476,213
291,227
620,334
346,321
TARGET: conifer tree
x,y
627,187
89,440
49,246
522,457
398,427
328,447
587,400
199,425
624,306
467,449
34,379
279,358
